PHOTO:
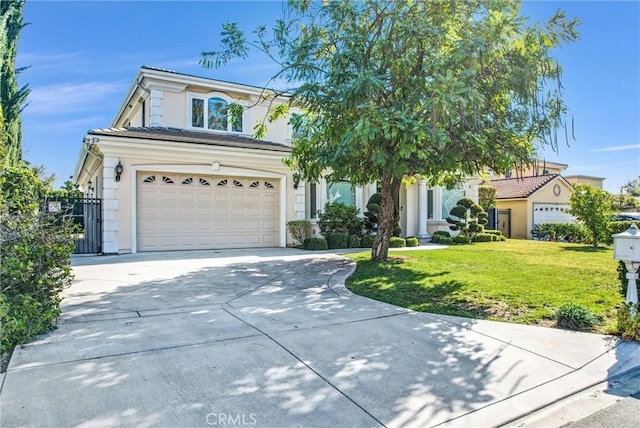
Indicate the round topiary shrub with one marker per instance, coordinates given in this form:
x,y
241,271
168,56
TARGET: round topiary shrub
x,y
337,240
413,242
576,317
397,242
445,240
315,244
461,239
353,241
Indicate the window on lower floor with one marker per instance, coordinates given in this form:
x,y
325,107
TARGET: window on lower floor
x,y
313,201
449,199
430,203
342,192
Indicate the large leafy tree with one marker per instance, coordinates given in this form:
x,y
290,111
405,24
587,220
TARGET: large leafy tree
x,y
632,187
12,97
593,207
395,90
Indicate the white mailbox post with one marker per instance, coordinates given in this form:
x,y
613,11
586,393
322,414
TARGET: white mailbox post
x,y
626,248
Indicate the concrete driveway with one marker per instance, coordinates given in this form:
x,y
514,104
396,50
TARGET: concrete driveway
x,y
272,338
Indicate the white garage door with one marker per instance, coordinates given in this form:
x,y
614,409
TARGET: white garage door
x,y
189,212
551,213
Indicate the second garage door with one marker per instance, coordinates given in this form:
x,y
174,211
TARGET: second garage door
x,y
189,212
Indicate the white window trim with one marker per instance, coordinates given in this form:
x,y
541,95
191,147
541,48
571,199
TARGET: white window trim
x,y
214,94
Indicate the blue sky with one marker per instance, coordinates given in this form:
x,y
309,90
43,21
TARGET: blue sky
x,y
84,55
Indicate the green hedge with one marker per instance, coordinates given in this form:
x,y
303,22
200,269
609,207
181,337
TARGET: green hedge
x,y
570,232
337,240
397,242
461,239
315,244
367,241
484,237
353,241
445,240
413,242
493,232
438,235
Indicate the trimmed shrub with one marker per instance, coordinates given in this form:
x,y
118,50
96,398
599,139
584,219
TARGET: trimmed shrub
x,y
315,244
576,317
413,242
445,240
493,232
338,217
337,240
569,232
367,241
299,230
617,227
438,235
461,239
485,237
397,242
36,258
353,241
629,325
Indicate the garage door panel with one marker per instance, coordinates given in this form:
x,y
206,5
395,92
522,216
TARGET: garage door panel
x,y
187,211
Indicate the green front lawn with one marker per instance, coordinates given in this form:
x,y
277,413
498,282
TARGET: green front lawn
x,y
517,281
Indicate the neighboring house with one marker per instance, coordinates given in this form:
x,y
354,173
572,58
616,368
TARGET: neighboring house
x,y
585,179
535,194
177,171
524,202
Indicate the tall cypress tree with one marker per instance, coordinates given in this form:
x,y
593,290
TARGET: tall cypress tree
x,y
12,97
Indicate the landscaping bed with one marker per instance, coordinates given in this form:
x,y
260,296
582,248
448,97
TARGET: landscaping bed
x,y
516,281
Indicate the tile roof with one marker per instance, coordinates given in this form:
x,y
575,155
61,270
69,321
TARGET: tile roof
x,y
179,135
523,187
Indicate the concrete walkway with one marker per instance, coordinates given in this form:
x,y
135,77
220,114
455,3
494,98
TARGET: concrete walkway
x,y
271,338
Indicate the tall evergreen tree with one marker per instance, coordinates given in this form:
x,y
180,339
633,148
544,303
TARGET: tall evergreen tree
x,y
12,97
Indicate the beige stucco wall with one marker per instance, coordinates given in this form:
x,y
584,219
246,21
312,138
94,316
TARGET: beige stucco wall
x,y
591,181
158,156
174,106
519,219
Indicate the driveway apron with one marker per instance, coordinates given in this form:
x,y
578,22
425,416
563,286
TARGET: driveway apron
x,y
272,338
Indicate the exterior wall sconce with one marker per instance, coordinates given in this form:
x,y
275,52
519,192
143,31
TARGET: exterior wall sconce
x,y
296,180
626,248
119,168
89,188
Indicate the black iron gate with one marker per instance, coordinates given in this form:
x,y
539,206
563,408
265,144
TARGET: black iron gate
x,y
504,222
87,215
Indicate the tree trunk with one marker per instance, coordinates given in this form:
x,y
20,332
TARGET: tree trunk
x,y
388,217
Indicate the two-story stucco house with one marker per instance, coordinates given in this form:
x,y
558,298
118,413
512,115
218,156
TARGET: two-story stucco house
x,y
176,171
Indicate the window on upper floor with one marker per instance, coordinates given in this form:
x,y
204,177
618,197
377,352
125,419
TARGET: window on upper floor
x,y
214,113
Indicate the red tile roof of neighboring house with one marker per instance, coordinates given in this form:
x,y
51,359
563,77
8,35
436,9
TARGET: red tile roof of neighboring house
x,y
517,188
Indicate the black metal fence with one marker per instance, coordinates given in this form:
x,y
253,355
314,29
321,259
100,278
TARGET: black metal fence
x,y
87,214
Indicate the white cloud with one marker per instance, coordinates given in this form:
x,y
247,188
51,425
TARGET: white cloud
x,y
618,148
72,97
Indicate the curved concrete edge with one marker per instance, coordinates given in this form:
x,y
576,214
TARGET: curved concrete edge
x,y
338,280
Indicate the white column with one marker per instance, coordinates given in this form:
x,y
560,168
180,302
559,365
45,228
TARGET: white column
x,y
632,287
300,201
155,107
422,210
109,206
